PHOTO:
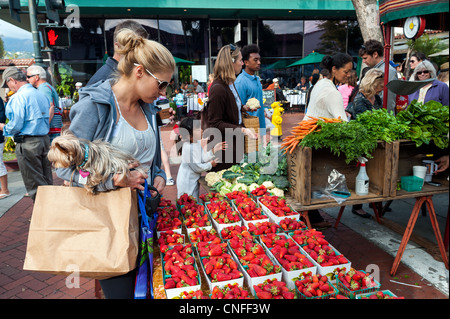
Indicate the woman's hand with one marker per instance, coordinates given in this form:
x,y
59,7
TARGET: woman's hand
x,y
134,179
159,183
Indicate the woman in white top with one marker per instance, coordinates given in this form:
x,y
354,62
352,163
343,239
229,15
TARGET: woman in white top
x,y
326,100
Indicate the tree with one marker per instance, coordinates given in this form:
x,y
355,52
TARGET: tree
x,y
368,19
2,48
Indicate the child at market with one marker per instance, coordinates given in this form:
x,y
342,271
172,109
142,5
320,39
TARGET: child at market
x,y
194,160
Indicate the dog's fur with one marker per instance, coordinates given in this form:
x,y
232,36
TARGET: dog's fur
x,y
103,159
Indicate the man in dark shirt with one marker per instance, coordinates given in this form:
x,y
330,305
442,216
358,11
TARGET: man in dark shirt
x,y
110,65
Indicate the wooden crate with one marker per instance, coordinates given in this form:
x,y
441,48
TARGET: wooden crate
x,y
308,170
406,155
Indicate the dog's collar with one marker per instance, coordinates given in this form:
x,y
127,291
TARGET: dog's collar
x,y
86,155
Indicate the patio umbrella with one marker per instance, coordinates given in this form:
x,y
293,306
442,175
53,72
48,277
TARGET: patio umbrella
x,y
182,61
311,58
443,52
280,64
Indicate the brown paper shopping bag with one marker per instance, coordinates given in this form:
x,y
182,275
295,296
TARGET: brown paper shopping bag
x,y
73,230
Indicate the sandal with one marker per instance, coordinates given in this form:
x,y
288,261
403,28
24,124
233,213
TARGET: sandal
x,y
4,195
365,215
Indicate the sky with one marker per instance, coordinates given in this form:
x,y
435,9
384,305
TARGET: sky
x,y
9,30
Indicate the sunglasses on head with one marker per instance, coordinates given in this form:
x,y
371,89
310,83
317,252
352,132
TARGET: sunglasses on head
x,y
162,85
232,48
423,72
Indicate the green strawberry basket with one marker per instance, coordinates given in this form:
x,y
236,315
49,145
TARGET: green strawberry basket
x,y
351,293
300,295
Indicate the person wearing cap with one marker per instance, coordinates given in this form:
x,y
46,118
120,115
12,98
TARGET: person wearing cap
x,y
28,115
37,77
272,85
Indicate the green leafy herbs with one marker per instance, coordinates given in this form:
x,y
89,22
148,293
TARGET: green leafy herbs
x,y
350,139
427,122
383,125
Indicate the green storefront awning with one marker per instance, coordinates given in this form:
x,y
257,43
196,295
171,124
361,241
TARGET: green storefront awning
x,y
391,10
182,61
231,9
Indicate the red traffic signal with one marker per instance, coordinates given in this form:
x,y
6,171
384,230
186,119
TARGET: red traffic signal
x,y
57,37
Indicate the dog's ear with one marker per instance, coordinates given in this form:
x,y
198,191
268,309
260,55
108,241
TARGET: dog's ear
x,y
61,148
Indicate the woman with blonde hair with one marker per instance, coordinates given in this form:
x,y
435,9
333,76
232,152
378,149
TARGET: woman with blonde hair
x,y
224,108
121,111
367,98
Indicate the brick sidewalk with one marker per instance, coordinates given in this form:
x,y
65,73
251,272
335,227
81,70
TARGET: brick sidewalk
x,y
16,283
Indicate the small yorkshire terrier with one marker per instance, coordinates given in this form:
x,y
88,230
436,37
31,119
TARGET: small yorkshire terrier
x,y
102,159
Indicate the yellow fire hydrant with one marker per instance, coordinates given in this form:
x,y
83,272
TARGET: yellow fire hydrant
x,y
277,119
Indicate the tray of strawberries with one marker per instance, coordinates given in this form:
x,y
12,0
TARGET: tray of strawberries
x,y
290,256
249,210
219,266
222,214
254,261
315,286
229,232
198,235
273,289
258,228
168,219
355,282
276,208
179,270
230,291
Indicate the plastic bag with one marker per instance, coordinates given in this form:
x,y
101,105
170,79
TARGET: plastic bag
x,y
336,188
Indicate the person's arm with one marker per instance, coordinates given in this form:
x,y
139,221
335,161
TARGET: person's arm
x,y
443,163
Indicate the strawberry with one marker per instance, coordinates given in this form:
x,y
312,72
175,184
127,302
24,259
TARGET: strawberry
x,y
264,295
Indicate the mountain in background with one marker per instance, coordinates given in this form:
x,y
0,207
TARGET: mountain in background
x,y
17,45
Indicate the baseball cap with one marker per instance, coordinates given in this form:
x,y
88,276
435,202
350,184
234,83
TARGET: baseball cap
x,y
275,80
393,64
9,72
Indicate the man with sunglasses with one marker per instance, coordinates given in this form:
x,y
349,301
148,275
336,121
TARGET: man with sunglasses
x,y
28,115
372,53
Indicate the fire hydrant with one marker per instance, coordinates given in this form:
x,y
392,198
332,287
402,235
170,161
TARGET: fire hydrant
x,y
277,119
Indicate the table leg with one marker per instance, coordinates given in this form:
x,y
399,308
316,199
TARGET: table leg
x,y
437,232
446,234
304,214
407,234
375,207
341,210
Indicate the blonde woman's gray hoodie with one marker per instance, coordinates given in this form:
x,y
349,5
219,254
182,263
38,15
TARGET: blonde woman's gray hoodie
x,y
93,118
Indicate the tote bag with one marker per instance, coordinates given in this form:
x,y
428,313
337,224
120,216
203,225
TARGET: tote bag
x,y
72,230
144,278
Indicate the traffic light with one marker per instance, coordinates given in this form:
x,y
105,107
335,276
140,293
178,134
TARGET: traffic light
x,y
57,37
14,8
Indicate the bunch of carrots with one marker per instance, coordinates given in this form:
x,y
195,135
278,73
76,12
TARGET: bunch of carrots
x,y
302,129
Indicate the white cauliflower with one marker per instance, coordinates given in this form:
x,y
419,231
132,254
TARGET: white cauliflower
x,y
239,187
268,184
252,187
277,192
253,104
211,178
